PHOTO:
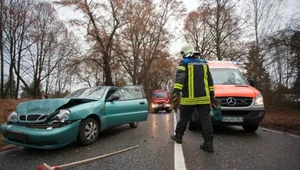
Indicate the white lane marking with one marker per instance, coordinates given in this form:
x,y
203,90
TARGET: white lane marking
x,y
179,162
283,133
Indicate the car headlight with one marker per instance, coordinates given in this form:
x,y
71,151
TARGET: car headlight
x,y
61,116
259,101
154,105
13,117
167,105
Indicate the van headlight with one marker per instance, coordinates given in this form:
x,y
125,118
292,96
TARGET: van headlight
x,y
13,117
259,100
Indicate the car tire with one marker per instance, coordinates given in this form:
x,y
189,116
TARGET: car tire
x,y
250,128
169,110
88,132
192,126
133,125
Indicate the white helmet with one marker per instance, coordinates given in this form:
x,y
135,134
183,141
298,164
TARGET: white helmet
x,y
188,50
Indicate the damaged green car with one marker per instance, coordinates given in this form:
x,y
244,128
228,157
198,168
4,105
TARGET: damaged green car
x,y
80,116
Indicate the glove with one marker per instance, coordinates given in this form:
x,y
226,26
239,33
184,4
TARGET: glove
x,y
175,100
213,103
212,100
214,106
175,97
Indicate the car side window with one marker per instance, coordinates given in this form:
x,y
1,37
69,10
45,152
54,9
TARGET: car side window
x,y
118,93
109,93
135,91
126,95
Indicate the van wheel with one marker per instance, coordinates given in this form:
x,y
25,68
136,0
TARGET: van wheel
x,y
250,128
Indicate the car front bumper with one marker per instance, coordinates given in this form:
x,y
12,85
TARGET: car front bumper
x,y
40,138
162,108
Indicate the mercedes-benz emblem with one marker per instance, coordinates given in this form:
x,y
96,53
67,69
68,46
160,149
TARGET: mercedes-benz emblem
x,y
231,101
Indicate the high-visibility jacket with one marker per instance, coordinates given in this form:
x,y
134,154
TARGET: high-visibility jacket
x,y
194,81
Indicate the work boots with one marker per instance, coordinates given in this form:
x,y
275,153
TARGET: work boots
x,y
177,138
208,143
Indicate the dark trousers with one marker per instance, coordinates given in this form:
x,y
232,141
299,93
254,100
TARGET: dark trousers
x,y
186,113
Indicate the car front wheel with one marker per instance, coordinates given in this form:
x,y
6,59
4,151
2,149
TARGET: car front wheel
x,y
133,125
250,128
88,132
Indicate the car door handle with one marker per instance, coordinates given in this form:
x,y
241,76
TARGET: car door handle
x,y
142,102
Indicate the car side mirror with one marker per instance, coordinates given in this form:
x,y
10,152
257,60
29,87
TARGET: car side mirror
x,y
113,97
251,82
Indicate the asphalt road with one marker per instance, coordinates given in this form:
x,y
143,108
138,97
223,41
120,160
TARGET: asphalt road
x,y
234,150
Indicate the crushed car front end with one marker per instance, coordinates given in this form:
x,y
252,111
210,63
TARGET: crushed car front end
x,y
40,136
43,124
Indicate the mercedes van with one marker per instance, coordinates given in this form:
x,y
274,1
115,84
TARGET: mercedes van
x,y
241,103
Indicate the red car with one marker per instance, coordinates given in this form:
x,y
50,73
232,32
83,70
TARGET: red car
x,y
160,101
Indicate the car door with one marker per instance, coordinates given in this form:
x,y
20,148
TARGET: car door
x,y
132,106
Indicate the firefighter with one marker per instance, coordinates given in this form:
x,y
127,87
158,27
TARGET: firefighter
x,y
194,83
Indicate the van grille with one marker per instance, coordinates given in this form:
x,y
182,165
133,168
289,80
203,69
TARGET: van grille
x,y
234,101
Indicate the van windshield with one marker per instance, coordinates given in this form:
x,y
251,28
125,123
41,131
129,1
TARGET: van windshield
x,y
160,95
226,76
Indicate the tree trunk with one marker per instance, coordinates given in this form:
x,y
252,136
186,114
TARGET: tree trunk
x,y
107,72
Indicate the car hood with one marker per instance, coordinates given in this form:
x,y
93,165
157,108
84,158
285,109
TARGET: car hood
x,y
45,106
235,90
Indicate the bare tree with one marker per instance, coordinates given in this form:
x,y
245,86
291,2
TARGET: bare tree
x,y
47,35
102,20
68,50
145,36
215,29
2,22
198,32
16,33
263,17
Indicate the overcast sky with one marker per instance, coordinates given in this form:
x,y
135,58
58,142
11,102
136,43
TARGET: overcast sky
x,y
290,7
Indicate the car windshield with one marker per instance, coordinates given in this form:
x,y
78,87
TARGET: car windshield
x,y
89,93
226,76
160,95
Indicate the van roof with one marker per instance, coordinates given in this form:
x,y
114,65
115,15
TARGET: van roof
x,y
223,64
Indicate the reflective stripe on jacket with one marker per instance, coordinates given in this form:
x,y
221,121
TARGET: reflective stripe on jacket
x,y
194,80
